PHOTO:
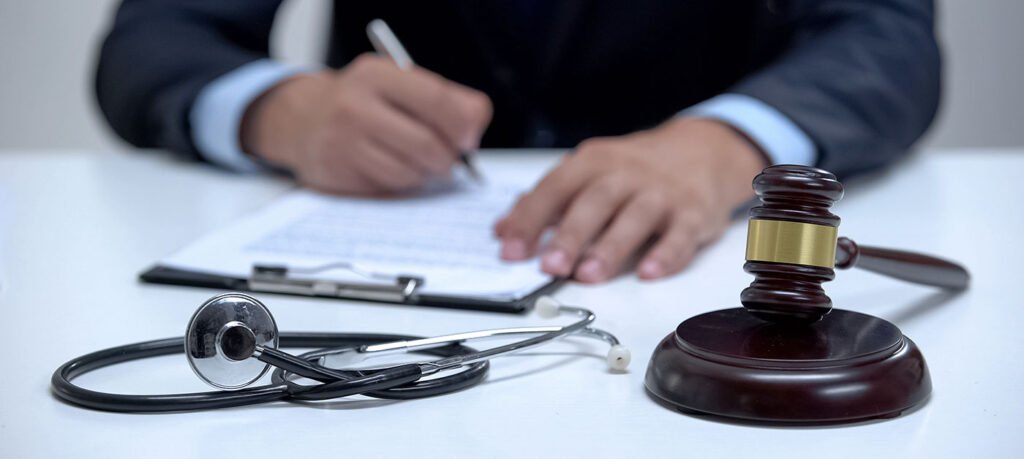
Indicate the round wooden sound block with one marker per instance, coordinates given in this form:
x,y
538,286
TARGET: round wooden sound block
x,y
847,367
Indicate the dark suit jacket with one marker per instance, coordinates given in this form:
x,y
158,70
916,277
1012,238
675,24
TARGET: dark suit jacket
x,y
860,77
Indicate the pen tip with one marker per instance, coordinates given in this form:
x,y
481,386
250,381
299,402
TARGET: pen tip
x,y
474,172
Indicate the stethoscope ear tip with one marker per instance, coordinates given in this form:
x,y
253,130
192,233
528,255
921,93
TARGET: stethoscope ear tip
x,y
547,307
619,358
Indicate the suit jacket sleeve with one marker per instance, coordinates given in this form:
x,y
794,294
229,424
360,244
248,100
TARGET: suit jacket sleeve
x,y
859,77
160,53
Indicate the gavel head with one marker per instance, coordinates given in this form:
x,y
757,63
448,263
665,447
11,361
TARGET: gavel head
x,y
791,244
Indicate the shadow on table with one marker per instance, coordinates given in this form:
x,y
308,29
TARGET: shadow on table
x,y
775,425
364,403
909,313
924,305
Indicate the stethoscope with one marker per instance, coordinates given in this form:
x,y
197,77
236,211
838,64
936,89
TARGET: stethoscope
x,y
232,341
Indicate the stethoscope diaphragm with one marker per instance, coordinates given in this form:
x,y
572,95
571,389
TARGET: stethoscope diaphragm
x,y
221,336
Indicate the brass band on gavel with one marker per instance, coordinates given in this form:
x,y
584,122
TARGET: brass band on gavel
x,y
780,241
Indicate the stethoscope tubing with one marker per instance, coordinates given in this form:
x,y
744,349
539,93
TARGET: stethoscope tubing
x,y
399,382
391,383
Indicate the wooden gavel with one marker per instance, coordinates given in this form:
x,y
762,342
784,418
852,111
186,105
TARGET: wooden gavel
x,y
909,266
787,356
792,247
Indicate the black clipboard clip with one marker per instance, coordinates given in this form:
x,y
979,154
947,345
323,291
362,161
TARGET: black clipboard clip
x,y
281,279
388,288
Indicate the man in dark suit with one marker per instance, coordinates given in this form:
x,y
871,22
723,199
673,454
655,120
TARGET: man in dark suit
x,y
672,105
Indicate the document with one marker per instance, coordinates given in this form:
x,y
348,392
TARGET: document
x,y
444,235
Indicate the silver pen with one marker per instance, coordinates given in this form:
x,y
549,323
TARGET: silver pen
x,y
386,43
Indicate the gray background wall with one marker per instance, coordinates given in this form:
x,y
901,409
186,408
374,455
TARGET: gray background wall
x,y
49,46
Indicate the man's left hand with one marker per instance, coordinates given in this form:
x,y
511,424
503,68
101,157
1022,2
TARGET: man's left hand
x,y
670,188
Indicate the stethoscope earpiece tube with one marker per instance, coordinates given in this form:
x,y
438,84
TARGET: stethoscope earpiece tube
x,y
384,379
300,367
455,382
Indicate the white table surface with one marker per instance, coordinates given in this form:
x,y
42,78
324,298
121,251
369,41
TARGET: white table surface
x,y
77,227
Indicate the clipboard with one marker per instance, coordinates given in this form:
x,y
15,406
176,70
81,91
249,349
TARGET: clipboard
x,y
278,279
436,249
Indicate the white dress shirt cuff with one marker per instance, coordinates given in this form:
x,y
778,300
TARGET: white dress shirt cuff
x,y
216,114
781,139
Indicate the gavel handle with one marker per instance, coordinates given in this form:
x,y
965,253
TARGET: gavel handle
x,y
908,266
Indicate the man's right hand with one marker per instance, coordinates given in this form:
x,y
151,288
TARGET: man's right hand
x,y
369,128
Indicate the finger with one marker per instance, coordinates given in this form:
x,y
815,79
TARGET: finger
x,y
585,217
499,227
383,168
534,211
339,181
326,167
410,140
673,251
640,218
458,113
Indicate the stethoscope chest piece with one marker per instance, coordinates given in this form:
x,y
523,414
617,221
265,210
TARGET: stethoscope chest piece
x,y
221,336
